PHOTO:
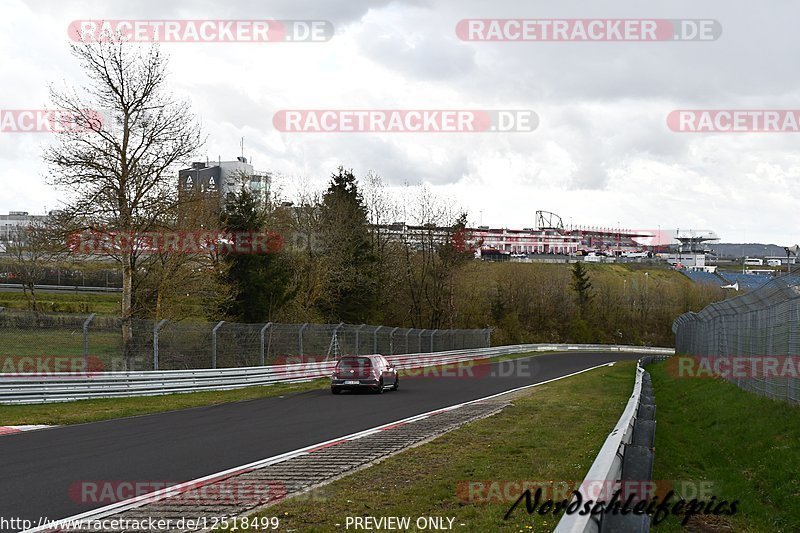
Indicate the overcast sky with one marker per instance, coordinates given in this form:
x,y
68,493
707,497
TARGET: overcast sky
x,y
601,155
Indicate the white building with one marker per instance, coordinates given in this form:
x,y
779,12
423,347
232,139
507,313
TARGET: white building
x,y
225,178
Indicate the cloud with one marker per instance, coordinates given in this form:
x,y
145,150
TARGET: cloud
x,y
601,154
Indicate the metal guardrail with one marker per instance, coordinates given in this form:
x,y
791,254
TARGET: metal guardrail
x,y
606,470
78,288
33,388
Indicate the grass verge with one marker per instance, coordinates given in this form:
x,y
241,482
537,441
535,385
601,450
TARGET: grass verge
x,y
82,411
65,302
552,432
733,444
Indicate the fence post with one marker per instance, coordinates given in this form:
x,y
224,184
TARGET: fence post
x,y
214,344
86,342
156,327
261,343
358,330
433,334
407,332
391,340
488,337
375,340
419,340
335,340
300,339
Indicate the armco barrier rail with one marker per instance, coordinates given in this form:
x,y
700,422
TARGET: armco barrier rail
x,y
33,388
607,470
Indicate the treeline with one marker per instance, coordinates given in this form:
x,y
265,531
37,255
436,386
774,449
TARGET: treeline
x,y
342,260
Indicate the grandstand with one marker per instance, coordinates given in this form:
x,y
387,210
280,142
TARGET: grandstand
x,y
746,281
700,276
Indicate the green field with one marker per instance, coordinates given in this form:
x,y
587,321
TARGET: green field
x,y
738,445
65,302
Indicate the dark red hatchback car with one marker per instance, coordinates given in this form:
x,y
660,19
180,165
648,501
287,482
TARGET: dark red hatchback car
x,y
364,372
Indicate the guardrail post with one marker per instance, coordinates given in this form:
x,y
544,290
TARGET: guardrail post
x,y
419,340
300,340
261,343
358,330
433,334
375,340
214,344
156,327
86,342
391,340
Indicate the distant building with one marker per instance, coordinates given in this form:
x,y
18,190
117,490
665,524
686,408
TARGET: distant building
x,y
524,241
11,223
696,240
224,179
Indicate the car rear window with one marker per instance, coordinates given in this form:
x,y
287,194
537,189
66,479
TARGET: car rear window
x,y
354,362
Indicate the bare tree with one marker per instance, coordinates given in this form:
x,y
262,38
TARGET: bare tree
x,y
118,169
311,269
34,250
384,212
431,258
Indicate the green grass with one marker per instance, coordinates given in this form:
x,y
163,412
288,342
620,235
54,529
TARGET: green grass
x,y
552,432
744,446
65,302
61,342
103,409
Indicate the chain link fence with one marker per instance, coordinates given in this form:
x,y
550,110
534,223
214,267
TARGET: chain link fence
x,y
759,331
29,341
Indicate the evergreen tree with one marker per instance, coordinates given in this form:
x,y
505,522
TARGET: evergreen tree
x,y
350,289
260,281
582,285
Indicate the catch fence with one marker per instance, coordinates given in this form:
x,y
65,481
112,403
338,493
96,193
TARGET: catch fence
x,y
172,345
756,336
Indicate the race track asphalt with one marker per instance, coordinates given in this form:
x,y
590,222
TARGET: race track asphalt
x,y
38,468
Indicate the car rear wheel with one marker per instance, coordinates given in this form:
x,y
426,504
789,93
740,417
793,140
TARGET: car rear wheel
x,y
396,383
335,390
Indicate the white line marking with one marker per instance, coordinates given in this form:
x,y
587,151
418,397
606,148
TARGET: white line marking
x,y
138,501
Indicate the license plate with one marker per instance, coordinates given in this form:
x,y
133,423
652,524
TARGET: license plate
x,y
352,382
